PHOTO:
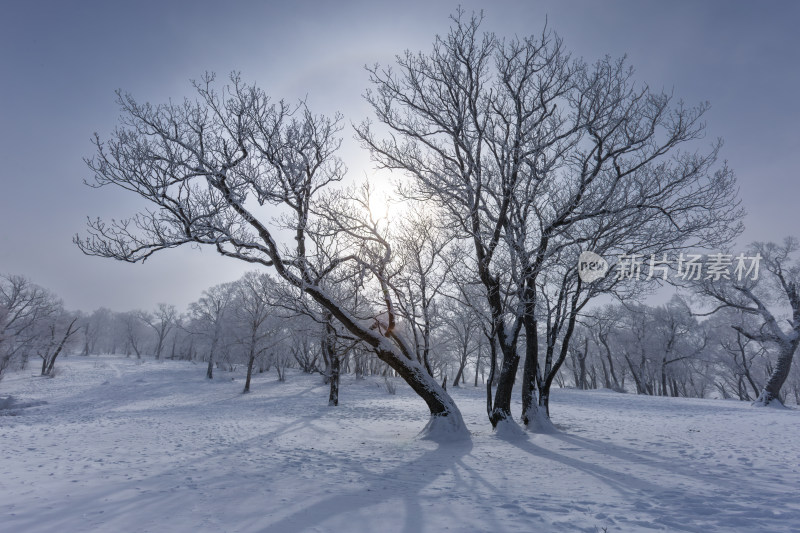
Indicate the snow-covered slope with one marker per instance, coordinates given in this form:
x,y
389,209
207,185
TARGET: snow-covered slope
x,y
156,447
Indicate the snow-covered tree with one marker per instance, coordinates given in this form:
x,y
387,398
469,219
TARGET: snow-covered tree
x,y
96,330
770,299
258,327
26,311
237,172
161,321
210,313
532,157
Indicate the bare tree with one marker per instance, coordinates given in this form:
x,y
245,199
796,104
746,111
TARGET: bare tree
x,y
211,311
57,331
305,352
209,167
333,361
740,360
253,310
601,325
762,296
162,321
531,157
425,261
25,311
133,331
441,109
95,327
462,331
578,353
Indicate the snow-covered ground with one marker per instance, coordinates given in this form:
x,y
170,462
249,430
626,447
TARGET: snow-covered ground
x,y
120,446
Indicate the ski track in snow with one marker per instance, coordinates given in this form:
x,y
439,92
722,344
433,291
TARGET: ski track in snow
x,y
152,447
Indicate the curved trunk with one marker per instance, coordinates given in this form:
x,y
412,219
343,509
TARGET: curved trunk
x,y
617,386
446,420
771,391
459,375
439,403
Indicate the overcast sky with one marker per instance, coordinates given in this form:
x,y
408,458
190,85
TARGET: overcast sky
x,y
62,61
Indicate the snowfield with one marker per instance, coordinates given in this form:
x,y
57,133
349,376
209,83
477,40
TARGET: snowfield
x,y
111,445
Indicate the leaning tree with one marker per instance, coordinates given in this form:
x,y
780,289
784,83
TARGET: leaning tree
x,y
237,172
763,288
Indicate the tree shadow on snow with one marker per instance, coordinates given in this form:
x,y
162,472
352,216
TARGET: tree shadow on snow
x,y
404,482
677,496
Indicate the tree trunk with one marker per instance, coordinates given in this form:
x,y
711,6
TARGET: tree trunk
x,y
618,386
212,353
772,390
478,363
326,374
551,370
606,377
582,371
505,386
492,370
60,347
333,397
445,415
639,385
530,369
251,359
459,375
332,361
85,340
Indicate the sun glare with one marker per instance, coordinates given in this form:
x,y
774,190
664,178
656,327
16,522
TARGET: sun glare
x,y
384,202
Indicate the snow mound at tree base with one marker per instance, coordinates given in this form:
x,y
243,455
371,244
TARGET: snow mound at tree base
x,y
450,428
508,429
771,404
538,422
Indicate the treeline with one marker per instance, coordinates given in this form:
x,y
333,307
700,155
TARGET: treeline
x,y
251,323
667,351
33,325
257,324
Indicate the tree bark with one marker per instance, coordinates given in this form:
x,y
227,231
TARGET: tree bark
x,y
771,391
332,361
530,369
250,361
60,347
333,397
505,386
